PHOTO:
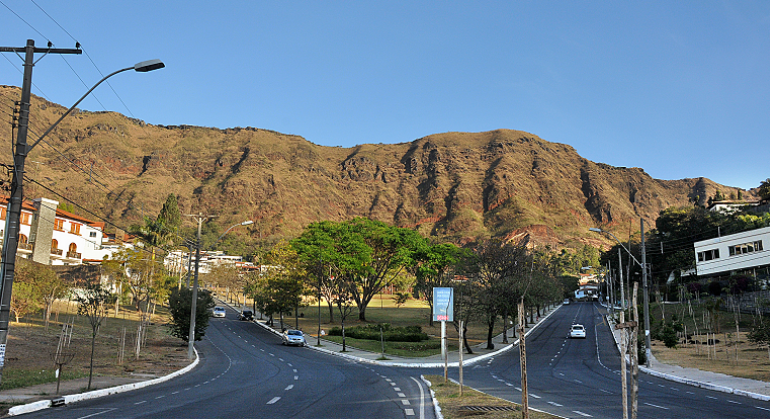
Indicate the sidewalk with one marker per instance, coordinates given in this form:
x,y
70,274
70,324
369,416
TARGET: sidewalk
x,y
759,390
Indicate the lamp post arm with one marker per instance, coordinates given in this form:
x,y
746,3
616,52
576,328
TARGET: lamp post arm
x,y
623,246
29,149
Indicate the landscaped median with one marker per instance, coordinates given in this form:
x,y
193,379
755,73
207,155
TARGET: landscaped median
x,y
474,404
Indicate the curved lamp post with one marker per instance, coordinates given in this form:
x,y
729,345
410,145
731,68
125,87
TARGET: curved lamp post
x,y
194,303
11,239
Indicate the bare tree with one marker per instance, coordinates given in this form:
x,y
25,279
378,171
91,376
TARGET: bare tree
x,y
92,304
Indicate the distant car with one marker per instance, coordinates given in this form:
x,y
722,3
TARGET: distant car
x,y
218,312
577,331
246,315
566,301
293,338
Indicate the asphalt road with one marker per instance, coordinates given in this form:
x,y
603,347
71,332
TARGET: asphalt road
x,y
245,372
580,378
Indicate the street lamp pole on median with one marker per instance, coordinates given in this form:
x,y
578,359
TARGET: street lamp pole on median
x,y
11,238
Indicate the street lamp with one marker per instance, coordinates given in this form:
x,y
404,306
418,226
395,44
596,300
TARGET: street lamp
x,y
194,303
647,345
11,239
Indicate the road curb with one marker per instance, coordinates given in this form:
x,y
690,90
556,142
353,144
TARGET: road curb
x,y
436,407
40,405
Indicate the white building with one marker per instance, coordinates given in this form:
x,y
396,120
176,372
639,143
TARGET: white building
x,y
51,236
739,251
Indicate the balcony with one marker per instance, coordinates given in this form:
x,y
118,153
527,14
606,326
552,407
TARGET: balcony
x,y
74,255
24,248
56,251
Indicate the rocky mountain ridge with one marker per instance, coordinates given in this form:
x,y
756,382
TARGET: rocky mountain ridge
x,y
457,186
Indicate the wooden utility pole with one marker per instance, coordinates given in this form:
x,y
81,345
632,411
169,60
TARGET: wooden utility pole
x,y
523,361
623,350
635,357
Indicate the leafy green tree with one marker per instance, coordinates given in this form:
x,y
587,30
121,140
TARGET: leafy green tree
x,y
180,305
169,215
92,301
434,268
27,296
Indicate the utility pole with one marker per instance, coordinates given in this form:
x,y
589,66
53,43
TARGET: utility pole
x,y
523,362
194,305
646,297
11,238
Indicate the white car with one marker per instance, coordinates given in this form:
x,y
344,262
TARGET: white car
x,y
293,338
218,312
577,331
566,302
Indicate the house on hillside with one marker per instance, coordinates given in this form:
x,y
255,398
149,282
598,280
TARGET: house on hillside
x,y
740,252
731,206
51,236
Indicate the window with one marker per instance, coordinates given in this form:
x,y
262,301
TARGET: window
x,y
746,248
73,247
54,244
25,218
22,239
58,224
709,255
75,228
92,234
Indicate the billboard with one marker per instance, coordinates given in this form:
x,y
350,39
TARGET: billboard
x,y
443,304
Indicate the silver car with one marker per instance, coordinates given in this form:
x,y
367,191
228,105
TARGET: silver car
x,y
293,338
218,312
577,331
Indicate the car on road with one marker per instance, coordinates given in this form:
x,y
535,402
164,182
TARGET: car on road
x,y
577,331
293,338
246,315
566,302
218,312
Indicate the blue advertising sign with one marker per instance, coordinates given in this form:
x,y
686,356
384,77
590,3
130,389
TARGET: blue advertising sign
x,y
443,304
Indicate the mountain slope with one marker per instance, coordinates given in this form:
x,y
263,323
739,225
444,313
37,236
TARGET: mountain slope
x,y
454,185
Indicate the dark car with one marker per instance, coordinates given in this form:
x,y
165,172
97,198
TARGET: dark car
x,y
246,315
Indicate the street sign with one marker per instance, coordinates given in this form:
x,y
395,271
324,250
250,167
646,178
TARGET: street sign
x,y
443,304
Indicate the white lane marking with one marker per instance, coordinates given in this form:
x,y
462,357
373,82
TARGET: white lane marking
x,y
288,387
290,365
206,381
187,389
96,414
422,398
274,400
293,370
734,402
278,358
405,402
691,393
296,377
175,392
259,349
534,396
656,406
662,386
578,381
761,408
271,354
507,384
409,412
197,386
555,404
713,398
500,380
674,389
141,402
582,414
397,389
517,388
561,374
160,396
605,391
401,395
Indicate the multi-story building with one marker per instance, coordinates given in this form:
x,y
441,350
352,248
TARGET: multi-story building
x,y
730,253
51,236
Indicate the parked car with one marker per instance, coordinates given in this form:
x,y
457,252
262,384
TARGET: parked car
x,y
566,302
246,315
294,338
577,331
218,312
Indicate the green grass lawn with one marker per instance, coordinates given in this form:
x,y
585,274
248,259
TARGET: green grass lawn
x,y
396,348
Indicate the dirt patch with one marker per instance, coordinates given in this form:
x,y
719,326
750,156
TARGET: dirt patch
x,y
753,362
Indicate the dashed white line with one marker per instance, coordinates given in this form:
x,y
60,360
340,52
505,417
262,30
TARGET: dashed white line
x,y
674,389
762,408
160,396
518,389
274,400
280,359
555,404
140,402
401,395
294,370
290,365
508,384
534,396
409,411
713,398
175,392
187,389
734,402
605,391
578,381
405,402
296,377
656,406
582,414
691,393
288,387
397,389
271,354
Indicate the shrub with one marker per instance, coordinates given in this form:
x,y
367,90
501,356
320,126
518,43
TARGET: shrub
x,y
372,332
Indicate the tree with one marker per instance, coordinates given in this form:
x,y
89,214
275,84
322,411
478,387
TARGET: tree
x,y
180,305
764,190
41,289
760,335
169,215
27,296
92,304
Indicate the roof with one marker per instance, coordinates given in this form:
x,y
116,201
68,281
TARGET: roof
x,y
62,213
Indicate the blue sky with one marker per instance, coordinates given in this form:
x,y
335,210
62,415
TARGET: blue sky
x,y
679,88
